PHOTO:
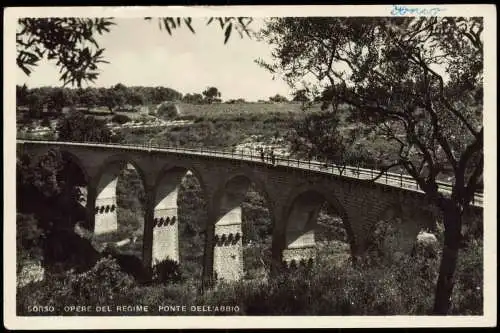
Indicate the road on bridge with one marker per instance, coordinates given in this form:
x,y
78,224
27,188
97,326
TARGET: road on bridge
x,y
388,178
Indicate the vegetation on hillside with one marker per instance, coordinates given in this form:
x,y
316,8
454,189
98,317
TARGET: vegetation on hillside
x,y
401,287
78,127
114,98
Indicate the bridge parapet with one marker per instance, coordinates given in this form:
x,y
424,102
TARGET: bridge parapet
x,y
397,180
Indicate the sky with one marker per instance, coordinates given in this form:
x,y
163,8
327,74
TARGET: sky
x,y
140,54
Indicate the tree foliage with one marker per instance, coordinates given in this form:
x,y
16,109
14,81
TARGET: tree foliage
x,y
78,127
236,101
48,180
115,96
193,98
49,204
28,239
168,111
212,94
57,98
240,24
70,42
318,136
417,82
300,96
278,99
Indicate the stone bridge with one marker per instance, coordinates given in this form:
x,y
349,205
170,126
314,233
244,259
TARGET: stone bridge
x,y
294,191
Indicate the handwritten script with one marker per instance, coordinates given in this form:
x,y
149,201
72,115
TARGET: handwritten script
x,y
404,10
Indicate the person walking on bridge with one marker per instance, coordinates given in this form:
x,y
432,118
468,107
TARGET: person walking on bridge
x,y
262,155
273,159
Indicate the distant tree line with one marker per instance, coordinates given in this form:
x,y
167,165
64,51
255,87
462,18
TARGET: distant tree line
x,y
55,98
298,96
119,96
208,96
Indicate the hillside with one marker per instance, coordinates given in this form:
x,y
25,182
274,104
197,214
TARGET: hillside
x,y
216,110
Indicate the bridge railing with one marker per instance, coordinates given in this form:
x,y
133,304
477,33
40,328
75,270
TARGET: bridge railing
x,y
399,180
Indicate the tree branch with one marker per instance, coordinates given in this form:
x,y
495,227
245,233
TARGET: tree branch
x,y
448,104
472,148
383,170
473,182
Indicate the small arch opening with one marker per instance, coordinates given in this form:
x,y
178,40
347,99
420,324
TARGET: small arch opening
x,y
245,215
401,231
317,228
179,196
120,190
69,207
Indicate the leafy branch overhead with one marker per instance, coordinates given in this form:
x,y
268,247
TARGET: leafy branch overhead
x,y
240,24
71,42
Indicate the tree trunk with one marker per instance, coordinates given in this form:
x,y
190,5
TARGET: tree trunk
x,y
452,235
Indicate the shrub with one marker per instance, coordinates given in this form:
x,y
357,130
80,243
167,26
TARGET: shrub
x,y
129,222
403,287
467,297
105,283
167,271
120,119
45,122
168,111
28,239
101,283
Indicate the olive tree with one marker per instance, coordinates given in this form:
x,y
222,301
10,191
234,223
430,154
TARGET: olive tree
x,y
417,82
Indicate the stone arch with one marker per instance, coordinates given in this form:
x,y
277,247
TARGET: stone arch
x,y
165,242
120,161
228,258
397,226
75,173
104,187
181,167
241,182
35,154
300,217
77,162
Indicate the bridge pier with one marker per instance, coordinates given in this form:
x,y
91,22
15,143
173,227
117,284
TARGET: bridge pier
x,y
228,247
226,236
105,205
147,237
165,217
208,276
